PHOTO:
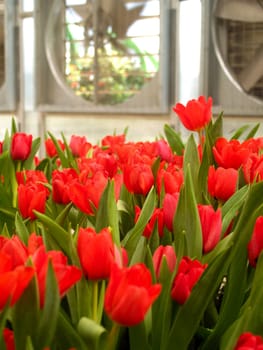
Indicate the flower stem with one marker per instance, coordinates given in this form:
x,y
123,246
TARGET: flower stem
x,y
95,285
16,168
113,337
200,137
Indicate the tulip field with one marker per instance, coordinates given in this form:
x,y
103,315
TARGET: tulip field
x,y
133,245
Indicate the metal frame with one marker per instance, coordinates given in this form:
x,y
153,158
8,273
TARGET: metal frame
x,y
216,78
55,95
9,89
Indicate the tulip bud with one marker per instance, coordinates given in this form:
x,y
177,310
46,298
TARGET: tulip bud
x,y
21,146
164,252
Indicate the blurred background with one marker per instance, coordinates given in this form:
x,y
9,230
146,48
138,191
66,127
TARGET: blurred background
x,y
95,67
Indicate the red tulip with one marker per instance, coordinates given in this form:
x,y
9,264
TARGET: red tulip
x,y
211,223
31,176
61,181
164,151
108,161
138,178
222,183
164,252
169,209
96,252
187,276
255,245
37,177
34,242
249,341
13,280
170,178
253,168
15,249
130,294
51,148
156,218
230,154
67,275
112,140
196,114
21,145
31,197
79,146
9,339
87,195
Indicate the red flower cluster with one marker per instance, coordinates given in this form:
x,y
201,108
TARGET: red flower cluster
x,y
32,192
246,155
73,188
249,341
15,275
188,274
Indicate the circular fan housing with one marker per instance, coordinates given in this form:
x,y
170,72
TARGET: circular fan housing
x,y
237,34
111,48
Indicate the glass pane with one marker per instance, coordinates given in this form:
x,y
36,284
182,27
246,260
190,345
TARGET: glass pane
x,y
28,59
28,5
189,53
111,47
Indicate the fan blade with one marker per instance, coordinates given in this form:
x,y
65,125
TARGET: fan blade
x,y
253,72
121,17
240,10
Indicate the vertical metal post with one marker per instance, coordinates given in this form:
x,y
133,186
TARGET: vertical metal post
x,y
96,7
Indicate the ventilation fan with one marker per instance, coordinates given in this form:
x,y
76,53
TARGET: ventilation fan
x,y
102,56
237,34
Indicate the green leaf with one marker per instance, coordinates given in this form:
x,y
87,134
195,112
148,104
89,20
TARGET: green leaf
x,y
239,132
207,160
138,337
162,309
21,228
233,298
29,162
13,126
192,161
61,154
215,129
232,206
253,131
47,324
66,335
107,214
56,233
250,319
252,208
187,218
174,140
189,315
62,216
25,315
91,332
139,252
71,159
130,241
